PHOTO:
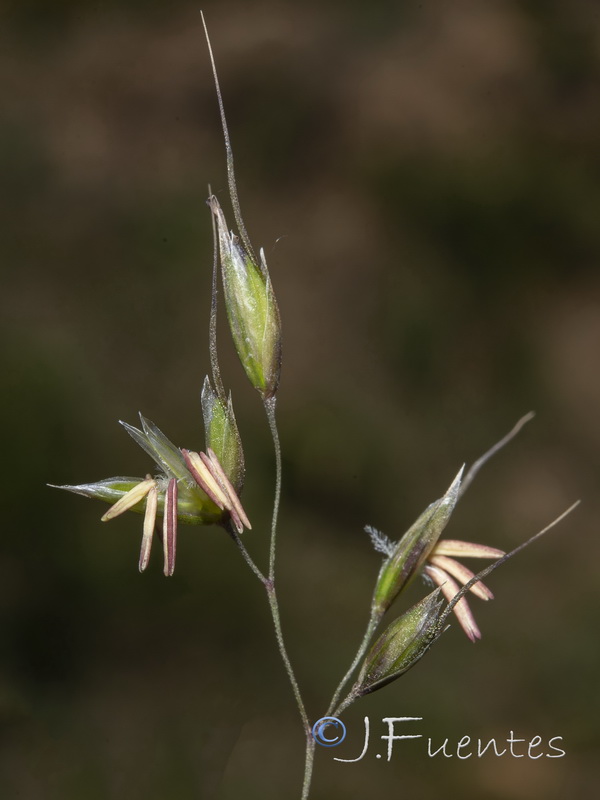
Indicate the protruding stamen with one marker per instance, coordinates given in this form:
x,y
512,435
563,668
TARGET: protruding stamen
x,y
450,588
149,523
235,505
458,549
132,498
463,574
205,479
210,476
170,526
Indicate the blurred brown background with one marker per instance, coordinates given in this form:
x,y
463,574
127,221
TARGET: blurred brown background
x,y
425,180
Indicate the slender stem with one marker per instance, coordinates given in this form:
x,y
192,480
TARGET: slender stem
x,y
274,606
350,698
270,404
246,555
269,584
273,603
374,620
270,409
308,765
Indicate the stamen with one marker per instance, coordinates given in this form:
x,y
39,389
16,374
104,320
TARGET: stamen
x,y
454,547
170,527
149,523
461,573
235,504
132,498
450,589
205,479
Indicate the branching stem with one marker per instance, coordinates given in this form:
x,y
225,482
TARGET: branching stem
x,y
270,405
269,584
273,603
245,554
372,624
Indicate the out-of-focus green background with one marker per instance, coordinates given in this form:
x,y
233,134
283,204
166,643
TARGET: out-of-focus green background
x,y
425,180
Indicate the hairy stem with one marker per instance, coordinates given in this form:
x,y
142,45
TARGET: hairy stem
x,y
348,700
308,765
269,584
374,620
274,605
245,554
270,404
270,409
